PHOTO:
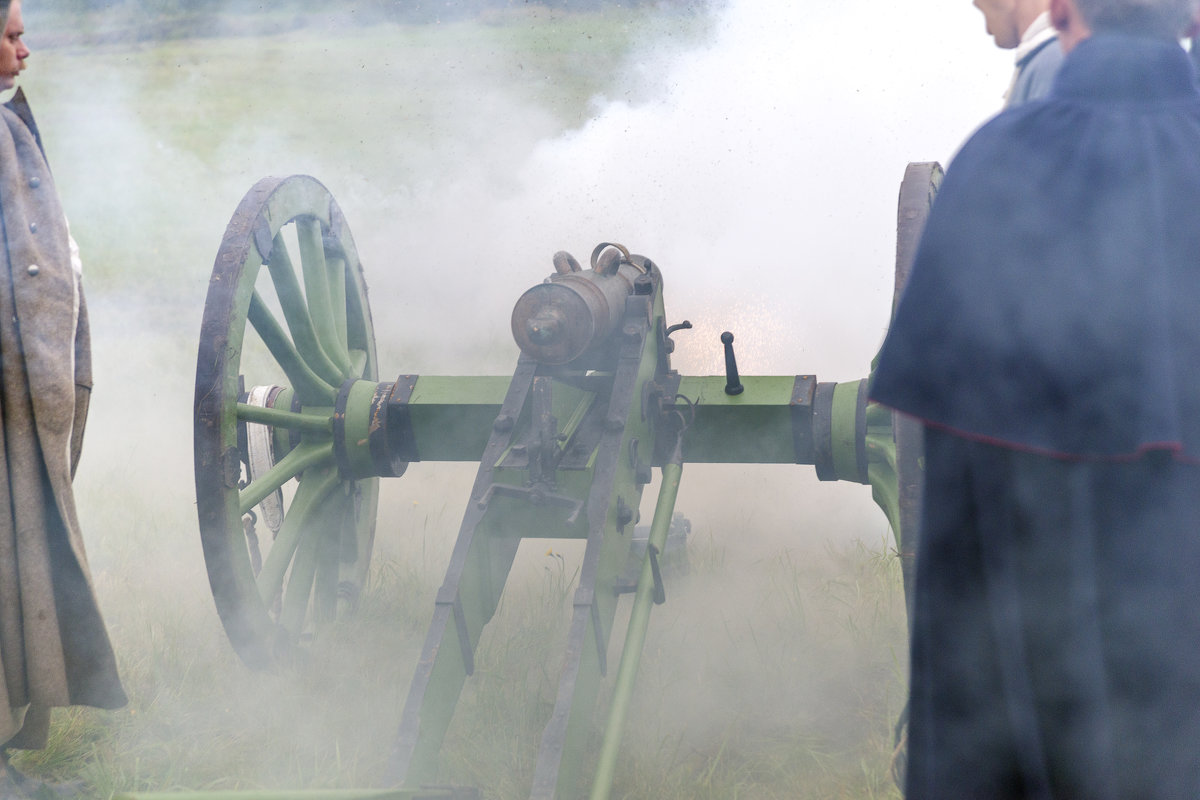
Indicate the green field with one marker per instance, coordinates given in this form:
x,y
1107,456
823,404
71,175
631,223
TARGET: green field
x,y
776,668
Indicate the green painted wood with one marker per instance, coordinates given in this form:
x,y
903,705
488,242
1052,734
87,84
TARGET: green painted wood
x,y
635,636
286,420
337,302
452,418
294,463
315,270
310,494
232,308
296,313
358,428
845,431
307,383
754,427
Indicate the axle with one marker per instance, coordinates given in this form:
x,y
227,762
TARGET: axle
x,y
381,427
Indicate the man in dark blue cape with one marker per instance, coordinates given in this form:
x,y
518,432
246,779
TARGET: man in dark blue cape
x,y
1049,338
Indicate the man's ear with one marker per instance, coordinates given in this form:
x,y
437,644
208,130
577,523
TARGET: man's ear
x,y
1061,12
1065,16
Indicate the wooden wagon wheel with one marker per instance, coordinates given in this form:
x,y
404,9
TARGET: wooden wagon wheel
x,y
917,191
287,313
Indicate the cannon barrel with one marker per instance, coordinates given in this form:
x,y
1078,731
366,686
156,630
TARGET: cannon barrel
x,y
574,310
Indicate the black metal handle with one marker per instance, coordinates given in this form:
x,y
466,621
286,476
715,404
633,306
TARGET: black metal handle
x,y
733,384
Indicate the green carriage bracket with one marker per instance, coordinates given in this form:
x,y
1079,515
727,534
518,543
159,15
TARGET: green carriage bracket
x,y
294,429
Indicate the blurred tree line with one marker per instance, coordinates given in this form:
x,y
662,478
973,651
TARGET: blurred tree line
x,y
399,10
67,22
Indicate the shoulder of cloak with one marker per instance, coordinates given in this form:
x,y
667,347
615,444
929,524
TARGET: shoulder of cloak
x,y
1050,276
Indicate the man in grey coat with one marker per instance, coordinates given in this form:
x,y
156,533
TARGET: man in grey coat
x,y
54,650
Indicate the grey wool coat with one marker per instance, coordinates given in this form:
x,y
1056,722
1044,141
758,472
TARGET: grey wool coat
x,y
54,650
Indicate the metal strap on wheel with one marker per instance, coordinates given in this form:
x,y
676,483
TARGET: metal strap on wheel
x,y
260,452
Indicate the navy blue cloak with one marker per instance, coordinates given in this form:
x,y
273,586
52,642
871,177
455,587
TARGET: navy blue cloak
x,y
1054,303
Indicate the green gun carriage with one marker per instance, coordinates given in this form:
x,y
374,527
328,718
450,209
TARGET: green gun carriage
x,y
294,428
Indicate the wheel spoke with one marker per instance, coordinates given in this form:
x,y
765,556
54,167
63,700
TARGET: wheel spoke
x,y
358,362
296,313
308,385
342,573
316,289
289,420
325,587
303,457
298,591
316,563
296,524
299,586
337,302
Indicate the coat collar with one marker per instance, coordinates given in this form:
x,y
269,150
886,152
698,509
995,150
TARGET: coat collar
x,y
1114,67
1039,34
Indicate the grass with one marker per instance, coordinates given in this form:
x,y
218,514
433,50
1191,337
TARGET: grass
x,y
771,677
774,670
786,700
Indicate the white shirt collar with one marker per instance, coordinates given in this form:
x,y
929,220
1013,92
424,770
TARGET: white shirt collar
x,y
1038,33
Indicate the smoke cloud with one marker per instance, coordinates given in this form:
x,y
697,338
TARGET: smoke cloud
x,y
755,154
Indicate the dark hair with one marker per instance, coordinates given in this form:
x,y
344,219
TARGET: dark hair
x,y
1165,19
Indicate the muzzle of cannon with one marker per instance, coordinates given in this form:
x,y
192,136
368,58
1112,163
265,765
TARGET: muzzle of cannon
x,y
574,312
294,429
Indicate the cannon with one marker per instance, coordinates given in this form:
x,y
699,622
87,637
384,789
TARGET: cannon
x,y
294,428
